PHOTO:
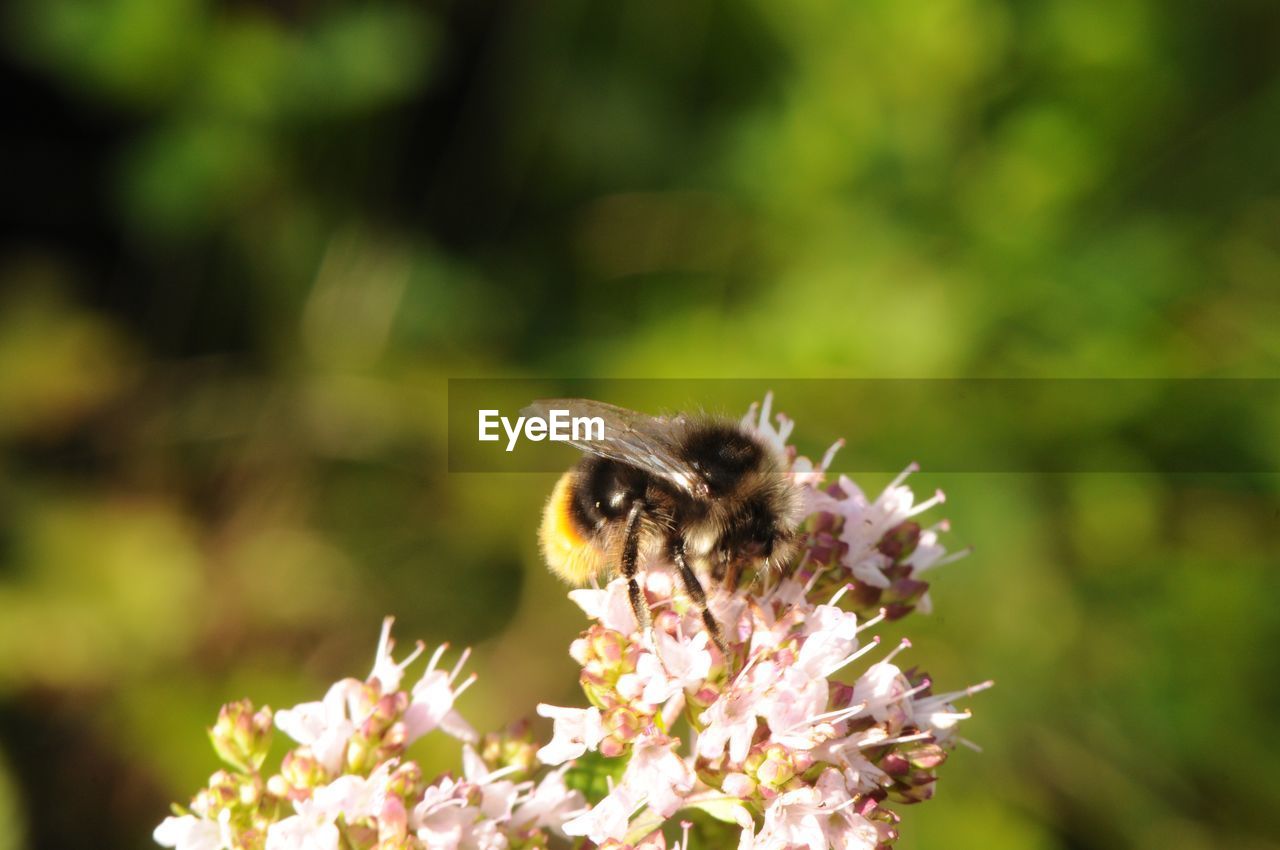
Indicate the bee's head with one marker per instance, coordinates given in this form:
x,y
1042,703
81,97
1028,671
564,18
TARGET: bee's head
x,y
764,529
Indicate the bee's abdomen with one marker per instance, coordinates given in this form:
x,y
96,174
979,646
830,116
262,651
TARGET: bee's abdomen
x,y
569,543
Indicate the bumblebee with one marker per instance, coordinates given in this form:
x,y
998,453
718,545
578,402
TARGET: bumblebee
x,y
704,494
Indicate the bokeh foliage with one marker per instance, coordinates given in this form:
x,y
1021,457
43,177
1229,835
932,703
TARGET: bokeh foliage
x,y
247,243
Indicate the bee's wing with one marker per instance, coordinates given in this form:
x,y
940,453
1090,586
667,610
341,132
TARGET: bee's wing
x,y
636,439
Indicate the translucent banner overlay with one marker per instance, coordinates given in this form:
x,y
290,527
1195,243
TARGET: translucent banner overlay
x,y
1219,426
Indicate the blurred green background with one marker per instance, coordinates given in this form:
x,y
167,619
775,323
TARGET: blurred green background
x,y
246,244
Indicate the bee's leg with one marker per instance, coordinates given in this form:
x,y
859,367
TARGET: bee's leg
x,y
630,554
693,587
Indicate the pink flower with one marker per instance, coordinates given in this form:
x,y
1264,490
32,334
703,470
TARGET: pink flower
x,y
658,775
487,835
817,817
497,796
550,803
865,523
731,721
443,819
190,832
386,670
860,774
576,730
607,819
792,708
310,829
610,606
325,726
791,820
444,827
673,666
938,715
803,471
831,634
843,827
757,418
432,703
353,797
883,692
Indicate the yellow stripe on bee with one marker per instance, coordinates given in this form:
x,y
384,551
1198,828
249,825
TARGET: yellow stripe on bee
x,y
569,553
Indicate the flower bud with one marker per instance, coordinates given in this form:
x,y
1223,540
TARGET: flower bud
x,y
601,695
383,714
840,694
895,765
826,554
222,792
407,781
361,752
611,747
917,789
514,747
904,593
365,697
864,598
776,768
924,755
241,737
667,621
608,647
899,542
301,770
277,786
624,724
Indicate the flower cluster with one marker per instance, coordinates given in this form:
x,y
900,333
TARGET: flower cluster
x,y
803,733
349,785
773,736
